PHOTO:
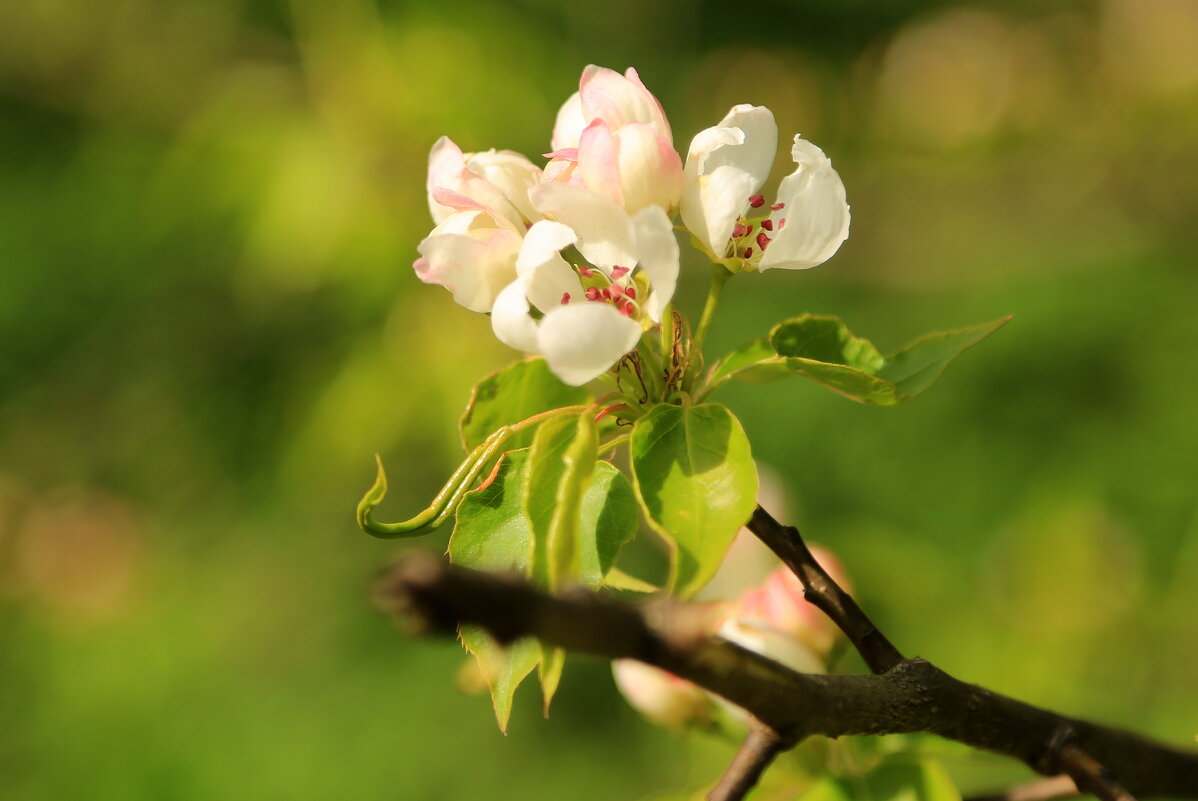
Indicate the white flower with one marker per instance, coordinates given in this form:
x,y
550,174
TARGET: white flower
x,y
590,316
472,254
481,206
494,181
612,137
726,167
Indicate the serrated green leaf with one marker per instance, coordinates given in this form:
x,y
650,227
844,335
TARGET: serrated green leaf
x,y
512,394
824,339
492,534
823,350
561,461
915,367
695,478
503,668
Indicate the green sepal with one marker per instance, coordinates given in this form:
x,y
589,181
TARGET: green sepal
x,y
823,350
696,481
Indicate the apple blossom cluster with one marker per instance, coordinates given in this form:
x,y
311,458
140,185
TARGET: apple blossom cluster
x,y
772,618
577,259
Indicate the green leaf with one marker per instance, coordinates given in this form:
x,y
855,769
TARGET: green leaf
x,y
561,461
512,394
492,534
617,579
503,668
823,350
696,481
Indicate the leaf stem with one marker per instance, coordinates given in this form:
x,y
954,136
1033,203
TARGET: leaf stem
x,y
719,276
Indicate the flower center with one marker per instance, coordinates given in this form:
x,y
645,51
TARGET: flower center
x,y
620,290
747,242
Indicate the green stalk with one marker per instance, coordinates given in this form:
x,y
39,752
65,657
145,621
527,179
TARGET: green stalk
x,y
719,276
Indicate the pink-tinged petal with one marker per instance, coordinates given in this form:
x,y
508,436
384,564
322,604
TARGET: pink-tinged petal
x,y
660,696
454,201
445,165
561,171
512,174
567,153
650,170
661,122
474,266
657,248
609,96
772,643
605,232
546,275
815,210
598,163
569,124
581,341
510,320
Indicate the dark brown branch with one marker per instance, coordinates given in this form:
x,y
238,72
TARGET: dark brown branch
x,y
761,746
913,696
822,591
1049,789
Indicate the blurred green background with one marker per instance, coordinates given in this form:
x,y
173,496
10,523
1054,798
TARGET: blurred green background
x,y
208,325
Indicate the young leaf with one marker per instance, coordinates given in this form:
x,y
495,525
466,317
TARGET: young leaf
x,y
823,350
696,481
512,394
492,534
561,461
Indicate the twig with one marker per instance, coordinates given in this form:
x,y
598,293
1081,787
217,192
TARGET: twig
x,y
1050,789
761,746
913,696
1090,775
822,591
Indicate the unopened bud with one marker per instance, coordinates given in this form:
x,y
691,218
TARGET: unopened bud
x,y
660,696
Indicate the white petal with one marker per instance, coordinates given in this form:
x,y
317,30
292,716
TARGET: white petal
x,y
658,250
569,124
512,174
711,205
474,266
445,163
581,341
725,165
816,214
773,644
756,153
546,275
649,169
510,321
605,233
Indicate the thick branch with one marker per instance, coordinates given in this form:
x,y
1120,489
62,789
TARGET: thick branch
x,y
913,696
822,591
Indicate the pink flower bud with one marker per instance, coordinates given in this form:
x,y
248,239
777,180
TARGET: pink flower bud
x,y
779,604
660,696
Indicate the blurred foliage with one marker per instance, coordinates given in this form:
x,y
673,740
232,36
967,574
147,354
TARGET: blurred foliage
x,y
208,324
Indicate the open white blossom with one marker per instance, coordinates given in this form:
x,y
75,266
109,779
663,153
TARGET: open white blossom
x,y
726,167
590,315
